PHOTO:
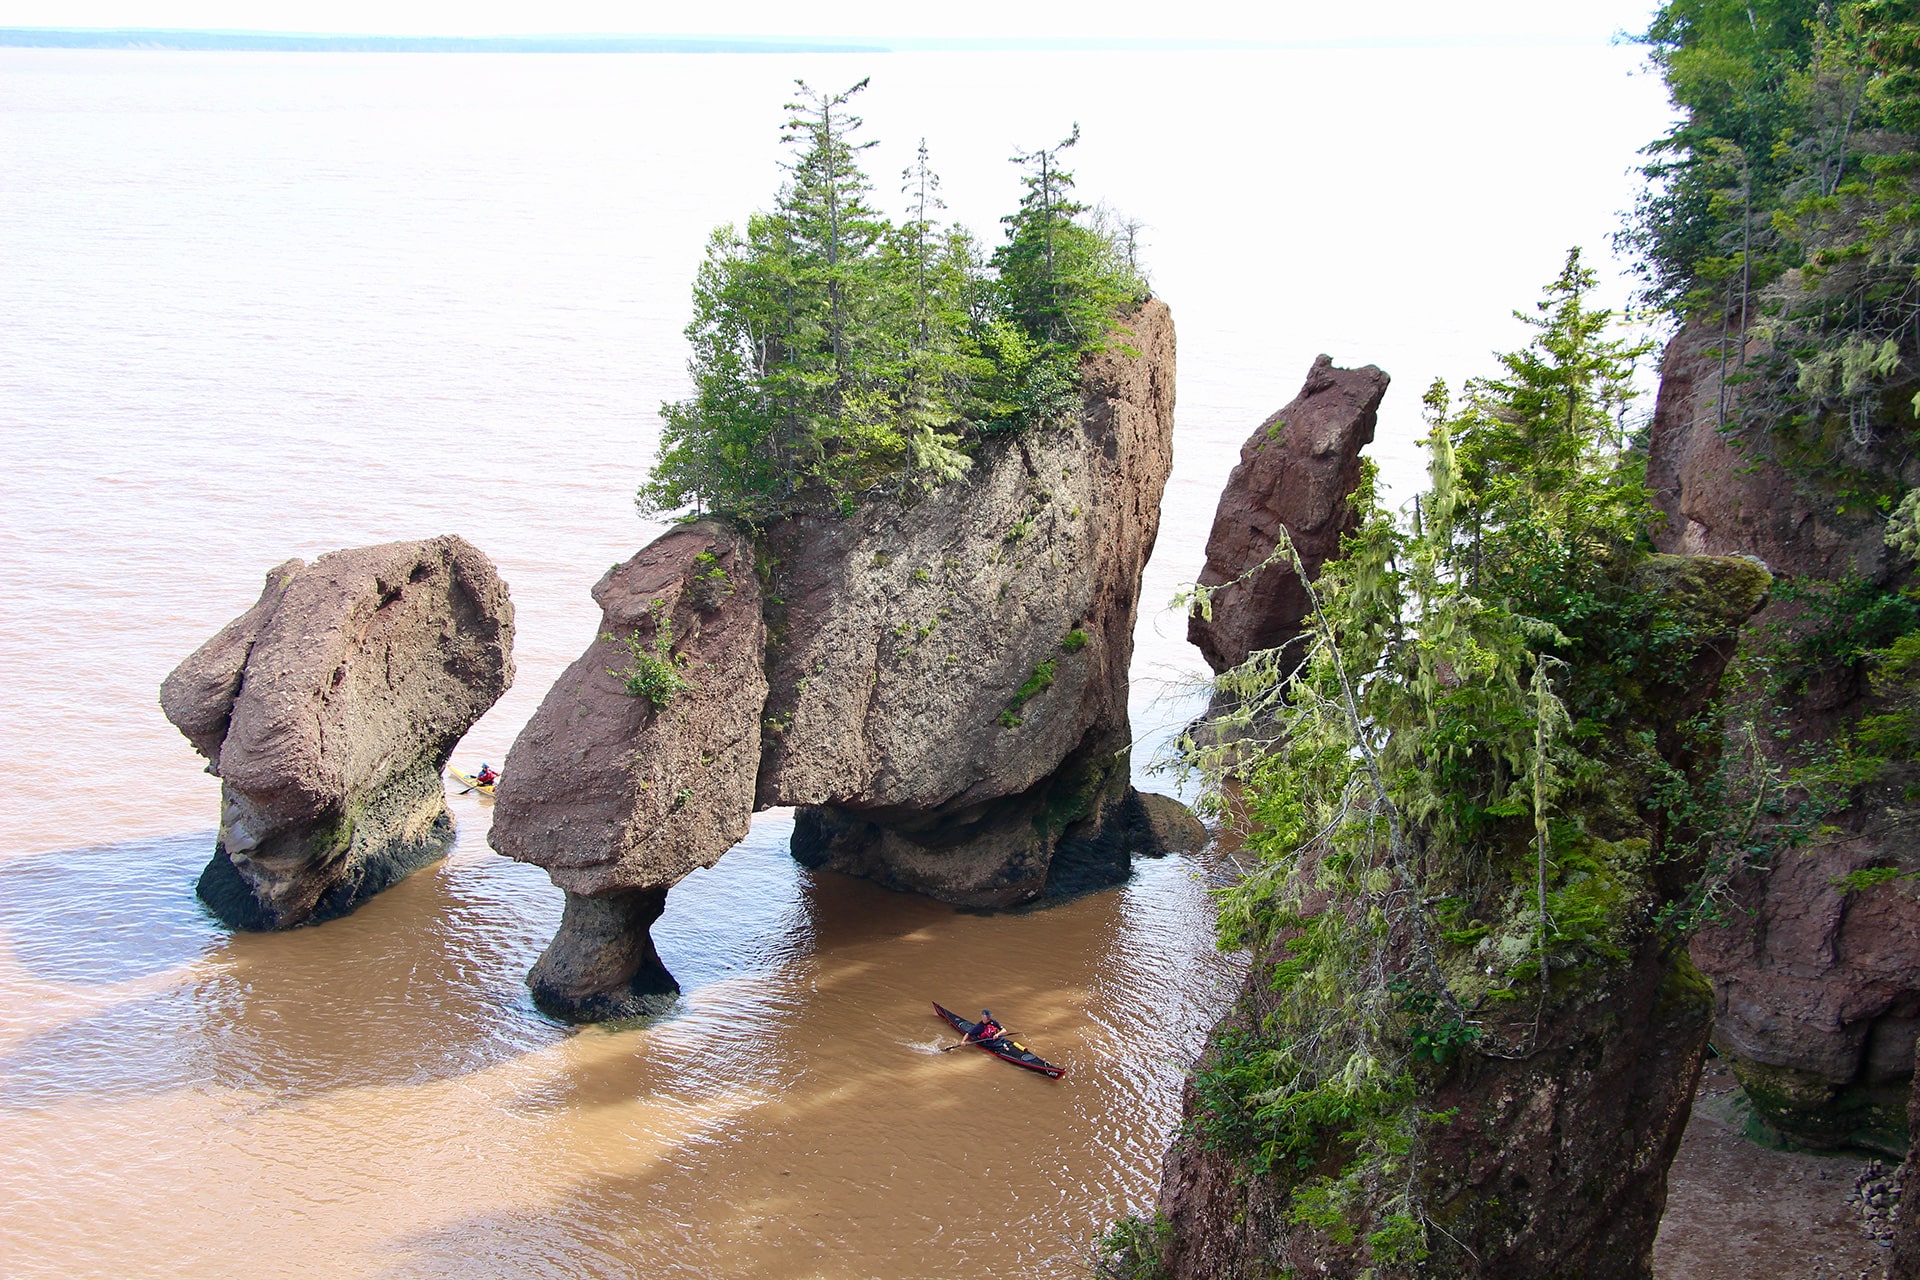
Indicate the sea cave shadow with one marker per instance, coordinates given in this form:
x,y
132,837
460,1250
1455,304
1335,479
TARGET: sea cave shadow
x,y
423,982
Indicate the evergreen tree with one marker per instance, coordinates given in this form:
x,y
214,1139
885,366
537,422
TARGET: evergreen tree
x,y
837,356
1459,815
1540,454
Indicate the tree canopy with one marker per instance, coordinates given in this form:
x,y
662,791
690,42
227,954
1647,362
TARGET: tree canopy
x,y
1784,205
838,354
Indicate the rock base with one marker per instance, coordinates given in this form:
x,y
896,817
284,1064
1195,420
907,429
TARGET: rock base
x,y
1805,1110
1074,834
601,965
319,871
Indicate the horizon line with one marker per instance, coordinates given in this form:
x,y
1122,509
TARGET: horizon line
x,y
216,39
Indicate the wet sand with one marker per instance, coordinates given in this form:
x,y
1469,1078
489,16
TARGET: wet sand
x,y
1738,1211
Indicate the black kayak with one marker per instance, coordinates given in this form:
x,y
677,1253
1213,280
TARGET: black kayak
x,y
1005,1048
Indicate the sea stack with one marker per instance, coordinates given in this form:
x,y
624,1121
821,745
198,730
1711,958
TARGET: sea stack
x,y
1296,472
619,790
328,710
938,683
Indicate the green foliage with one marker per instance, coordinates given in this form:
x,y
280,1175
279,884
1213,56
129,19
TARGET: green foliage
x,y
1835,623
1036,684
656,673
1074,641
1784,205
1459,797
1871,878
838,355
1132,1248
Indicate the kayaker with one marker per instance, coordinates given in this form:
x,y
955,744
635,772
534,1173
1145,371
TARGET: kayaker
x,y
487,776
986,1028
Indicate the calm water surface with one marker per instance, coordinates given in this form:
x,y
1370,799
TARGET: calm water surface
x,y
254,307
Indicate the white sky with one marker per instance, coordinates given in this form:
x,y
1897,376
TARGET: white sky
x,y
1289,21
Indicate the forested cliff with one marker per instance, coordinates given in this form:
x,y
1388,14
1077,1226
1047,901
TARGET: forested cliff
x,y
1533,761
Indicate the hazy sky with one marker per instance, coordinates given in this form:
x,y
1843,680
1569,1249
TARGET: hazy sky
x,y
1290,21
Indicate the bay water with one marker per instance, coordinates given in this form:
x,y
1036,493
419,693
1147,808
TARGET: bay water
x,y
260,306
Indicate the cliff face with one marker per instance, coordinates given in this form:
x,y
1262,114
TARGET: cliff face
x,y
328,710
1906,1241
1817,987
1296,472
944,691
1546,1136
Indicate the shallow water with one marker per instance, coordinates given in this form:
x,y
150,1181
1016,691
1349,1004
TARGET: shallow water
x,y
259,306
377,1096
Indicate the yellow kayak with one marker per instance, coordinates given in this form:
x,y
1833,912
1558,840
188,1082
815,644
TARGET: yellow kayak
x,y
472,783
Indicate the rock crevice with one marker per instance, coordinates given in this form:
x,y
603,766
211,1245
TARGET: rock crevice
x,y
1816,985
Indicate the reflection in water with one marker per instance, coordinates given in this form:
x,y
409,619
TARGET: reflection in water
x,y
382,1083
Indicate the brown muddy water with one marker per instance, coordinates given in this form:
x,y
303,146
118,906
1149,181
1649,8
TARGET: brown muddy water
x,y
376,1096
259,306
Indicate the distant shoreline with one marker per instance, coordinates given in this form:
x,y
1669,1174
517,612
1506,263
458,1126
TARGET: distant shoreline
x,y
187,41
290,42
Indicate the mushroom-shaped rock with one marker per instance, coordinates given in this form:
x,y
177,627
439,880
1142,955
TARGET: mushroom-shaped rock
x,y
639,765
328,710
1296,472
939,682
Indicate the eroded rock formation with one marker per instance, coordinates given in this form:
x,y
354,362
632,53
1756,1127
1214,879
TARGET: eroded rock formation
x,y
619,795
944,697
1817,985
1547,1138
949,688
328,710
1296,472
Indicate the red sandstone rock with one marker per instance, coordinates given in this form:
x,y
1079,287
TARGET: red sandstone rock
x,y
1905,1262
328,710
620,799
907,632
1538,1160
1296,472
1817,988
893,691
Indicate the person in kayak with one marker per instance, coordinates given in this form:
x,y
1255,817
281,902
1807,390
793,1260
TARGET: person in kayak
x,y
986,1028
487,776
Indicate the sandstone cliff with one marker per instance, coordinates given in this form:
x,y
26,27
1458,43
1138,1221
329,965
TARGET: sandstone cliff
x,y
1546,1128
1817,986
328,710
1296,472
944,693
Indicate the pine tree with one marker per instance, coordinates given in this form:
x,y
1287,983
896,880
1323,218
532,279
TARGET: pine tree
x,y
836,356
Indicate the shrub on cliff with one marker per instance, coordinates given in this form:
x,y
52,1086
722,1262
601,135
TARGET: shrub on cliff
x,y
837,354
1480,794
1783,206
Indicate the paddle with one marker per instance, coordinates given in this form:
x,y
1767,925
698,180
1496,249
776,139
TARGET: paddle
x,y
967,1044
